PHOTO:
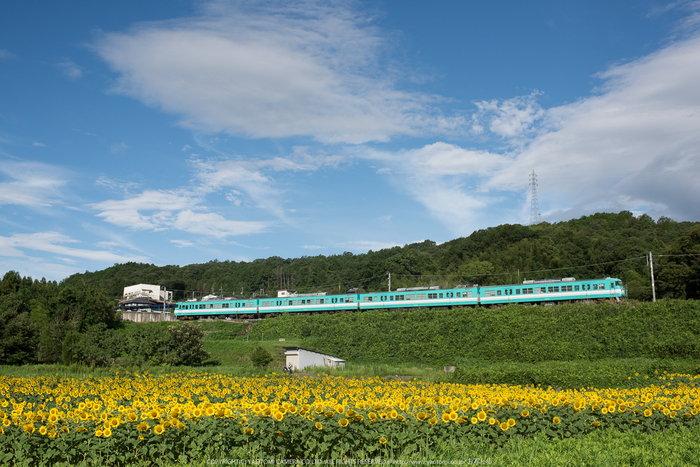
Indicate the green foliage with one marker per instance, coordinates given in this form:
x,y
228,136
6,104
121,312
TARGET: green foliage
x,y
666,329
186,346
260,357
498,255
608,373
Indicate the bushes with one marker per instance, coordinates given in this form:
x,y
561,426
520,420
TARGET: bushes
x,y
186,346
667,329
260,357
156,344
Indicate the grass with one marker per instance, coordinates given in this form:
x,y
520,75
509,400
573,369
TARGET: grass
x,y
671,448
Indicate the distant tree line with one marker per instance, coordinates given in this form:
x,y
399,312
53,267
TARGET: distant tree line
x,y
46,322
605,244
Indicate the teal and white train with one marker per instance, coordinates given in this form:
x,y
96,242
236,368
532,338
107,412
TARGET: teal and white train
x,y
549,291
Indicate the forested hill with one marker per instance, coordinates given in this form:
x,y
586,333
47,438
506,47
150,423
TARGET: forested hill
x,y
589,247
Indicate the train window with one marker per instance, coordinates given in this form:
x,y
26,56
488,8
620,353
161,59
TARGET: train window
x,y
410,297
576,288
441,295
498,292
595,286
618,283
517,291
602,286
459,294
350,300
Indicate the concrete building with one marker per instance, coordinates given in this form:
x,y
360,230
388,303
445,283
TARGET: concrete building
x,y
154,292
299,358
146,303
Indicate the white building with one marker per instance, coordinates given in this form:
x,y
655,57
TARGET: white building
x,y
299,358
155,292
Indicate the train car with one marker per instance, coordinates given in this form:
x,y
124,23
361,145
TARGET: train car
x,y
529,292
553,290
308,303
230,308
419,297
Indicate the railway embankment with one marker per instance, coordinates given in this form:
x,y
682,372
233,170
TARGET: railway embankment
x,y
559,345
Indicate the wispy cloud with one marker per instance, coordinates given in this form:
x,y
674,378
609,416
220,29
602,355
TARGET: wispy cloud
x,y
272,70
6,54
632,144
118,147
70,69
55,243
32,184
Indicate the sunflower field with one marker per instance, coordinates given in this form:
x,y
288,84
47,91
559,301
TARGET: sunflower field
x,y
129,418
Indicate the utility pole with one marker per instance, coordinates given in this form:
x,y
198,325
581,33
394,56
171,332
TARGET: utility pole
x,y
651,266
389,280
534,205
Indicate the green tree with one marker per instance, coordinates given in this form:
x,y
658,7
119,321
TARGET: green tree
x,y
186,346
260,357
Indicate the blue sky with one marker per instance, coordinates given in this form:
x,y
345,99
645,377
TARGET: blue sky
x,y
179,132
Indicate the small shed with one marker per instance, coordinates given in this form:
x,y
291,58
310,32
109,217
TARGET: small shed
x,y
299,358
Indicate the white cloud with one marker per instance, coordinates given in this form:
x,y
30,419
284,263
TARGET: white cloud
x,y
182,210
118,147
636,143
511,118
32,184
182,243
438,175
40,145
54,242
161,207
271,70
313,247
215,225
6,54
115,184
70,69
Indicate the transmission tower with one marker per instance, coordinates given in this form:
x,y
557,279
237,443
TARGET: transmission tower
x,y
535,205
